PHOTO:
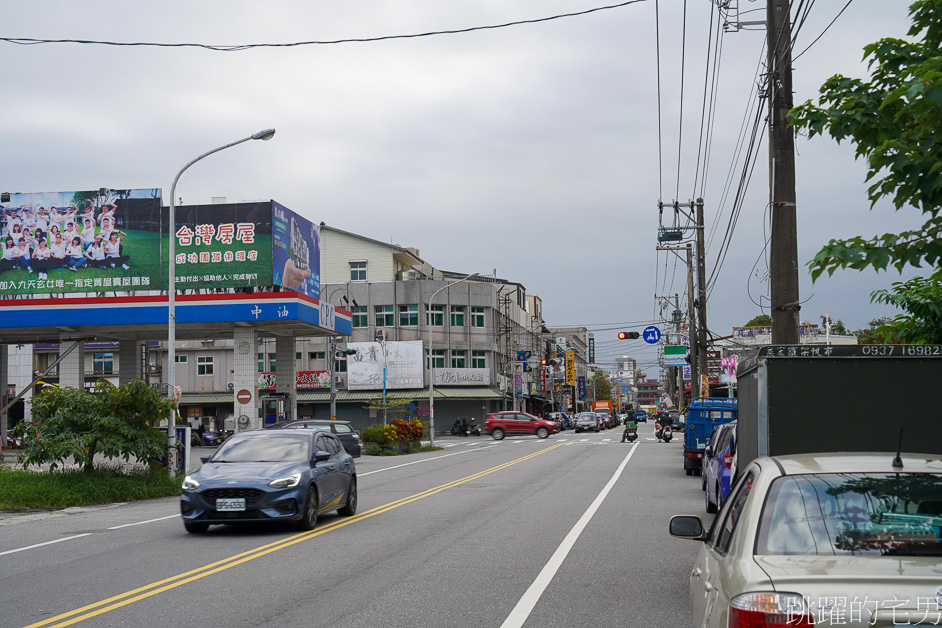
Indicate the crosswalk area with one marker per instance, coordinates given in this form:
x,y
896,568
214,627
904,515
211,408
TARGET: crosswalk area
x,y
516,441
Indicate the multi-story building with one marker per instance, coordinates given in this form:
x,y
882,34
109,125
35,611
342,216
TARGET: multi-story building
x,y
470,331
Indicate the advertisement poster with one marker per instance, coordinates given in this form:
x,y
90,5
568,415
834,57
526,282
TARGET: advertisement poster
x,y
462,377
81,241
306,380
119,241
225,245
402,362
296,252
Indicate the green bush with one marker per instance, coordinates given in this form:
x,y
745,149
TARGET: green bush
x,y
375,434
377,450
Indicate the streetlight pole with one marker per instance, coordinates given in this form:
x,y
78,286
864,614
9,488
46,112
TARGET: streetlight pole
x,y
172,291
431,374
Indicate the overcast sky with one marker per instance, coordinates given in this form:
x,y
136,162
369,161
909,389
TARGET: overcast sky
x,y
530,149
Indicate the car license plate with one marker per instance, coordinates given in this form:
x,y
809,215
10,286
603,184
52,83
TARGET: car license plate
x,y
223,505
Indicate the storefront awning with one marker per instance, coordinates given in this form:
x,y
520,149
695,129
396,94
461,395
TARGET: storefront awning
x,y
205,398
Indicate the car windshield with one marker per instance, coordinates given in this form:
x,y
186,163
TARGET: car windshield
x,y
283,447
898,514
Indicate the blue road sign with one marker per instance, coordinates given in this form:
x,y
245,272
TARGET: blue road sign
x,y
651,335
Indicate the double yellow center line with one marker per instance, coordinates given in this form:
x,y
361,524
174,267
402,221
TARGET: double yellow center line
x,y
118,601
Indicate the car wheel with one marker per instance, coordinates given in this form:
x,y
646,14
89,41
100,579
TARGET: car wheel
x,y
542,433
498,434
309,519
597,430
351,508
195,528
710,506
702,483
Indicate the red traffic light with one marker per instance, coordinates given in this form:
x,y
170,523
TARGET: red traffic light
x,y
625,335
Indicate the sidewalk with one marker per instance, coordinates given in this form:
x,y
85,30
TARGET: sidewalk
x,y
10,460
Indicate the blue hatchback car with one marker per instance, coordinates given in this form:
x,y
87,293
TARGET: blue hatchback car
x,y
271,475
719,472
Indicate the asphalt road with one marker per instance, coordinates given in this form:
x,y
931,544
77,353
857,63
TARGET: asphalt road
x,y
567,531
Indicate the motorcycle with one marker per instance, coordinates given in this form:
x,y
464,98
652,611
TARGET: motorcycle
x,y
631,435
664,433
474,430
457,429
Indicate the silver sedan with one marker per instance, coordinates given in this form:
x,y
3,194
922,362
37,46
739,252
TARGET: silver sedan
x,y
822,539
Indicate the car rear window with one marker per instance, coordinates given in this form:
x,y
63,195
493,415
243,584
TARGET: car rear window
x,y
898,514
343,429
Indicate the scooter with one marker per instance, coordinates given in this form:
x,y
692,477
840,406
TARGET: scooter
x,y
456,428
664,433
474,430
631,435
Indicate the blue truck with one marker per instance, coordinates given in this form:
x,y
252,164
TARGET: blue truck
x,y
703,416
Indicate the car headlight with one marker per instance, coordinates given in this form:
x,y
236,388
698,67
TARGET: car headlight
x,y
189,484
288,482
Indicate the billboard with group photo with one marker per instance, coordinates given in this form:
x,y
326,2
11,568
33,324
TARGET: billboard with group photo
x,y
60,242
119,241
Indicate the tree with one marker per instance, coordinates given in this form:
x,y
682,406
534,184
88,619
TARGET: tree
x,y
921,299
600,384
837,326
894,121
762,320
113,422
876,333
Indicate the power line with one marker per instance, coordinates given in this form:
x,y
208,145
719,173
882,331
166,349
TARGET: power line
x,y
23,41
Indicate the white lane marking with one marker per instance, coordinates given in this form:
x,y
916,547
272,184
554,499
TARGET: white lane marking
x,y
140,523
408,464
603,440
23,549
581,440
525,606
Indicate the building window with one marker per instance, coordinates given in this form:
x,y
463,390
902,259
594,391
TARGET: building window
x,y
384,315
317,355
261,362
408,315
341,366
357,271
104,363
458,359
204,365
457,316
436,317
297,356
360,316
179,359
272,362
477,317
478,361
438,359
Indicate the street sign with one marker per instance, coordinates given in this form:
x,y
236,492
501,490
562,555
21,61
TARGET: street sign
x,y
651,335
523,355
674,355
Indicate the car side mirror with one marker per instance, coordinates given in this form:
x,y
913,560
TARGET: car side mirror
x,y
321,456
205,458
687,527
708,451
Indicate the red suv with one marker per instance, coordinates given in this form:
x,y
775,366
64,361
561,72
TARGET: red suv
x,y
501,424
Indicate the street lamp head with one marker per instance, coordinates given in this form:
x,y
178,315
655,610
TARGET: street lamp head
x,y
472,275
267,134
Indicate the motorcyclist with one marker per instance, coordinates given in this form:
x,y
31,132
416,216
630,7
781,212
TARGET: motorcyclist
x,y
663,420
630,426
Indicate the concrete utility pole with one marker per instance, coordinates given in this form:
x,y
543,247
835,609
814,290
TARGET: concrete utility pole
x,y
702,368
783,247
692,332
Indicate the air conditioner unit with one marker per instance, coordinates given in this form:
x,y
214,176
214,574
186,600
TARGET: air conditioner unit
x,y
230,386
338,379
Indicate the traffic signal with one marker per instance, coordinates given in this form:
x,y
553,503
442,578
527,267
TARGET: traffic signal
x,y
625,335
549,361
342,352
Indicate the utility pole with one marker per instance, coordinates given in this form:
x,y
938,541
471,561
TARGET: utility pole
x,y
701,304
783,247
692,332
